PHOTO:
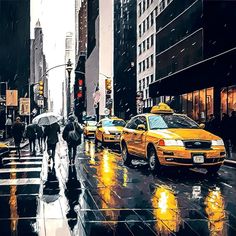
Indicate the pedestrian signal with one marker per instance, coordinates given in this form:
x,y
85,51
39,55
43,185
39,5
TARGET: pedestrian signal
x,y
41,88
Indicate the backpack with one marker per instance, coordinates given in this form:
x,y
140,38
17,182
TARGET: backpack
x,y
73,135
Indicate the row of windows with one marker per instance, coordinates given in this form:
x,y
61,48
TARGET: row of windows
x,y
145,82
143,5
146,44
146,24
145,64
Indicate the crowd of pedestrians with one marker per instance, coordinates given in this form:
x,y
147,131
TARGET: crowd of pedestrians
x,y
46,137
225,128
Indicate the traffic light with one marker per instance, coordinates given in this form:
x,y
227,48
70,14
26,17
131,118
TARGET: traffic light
x,y
41,88
108,86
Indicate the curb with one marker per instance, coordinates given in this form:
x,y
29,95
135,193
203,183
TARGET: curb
x,y
231,163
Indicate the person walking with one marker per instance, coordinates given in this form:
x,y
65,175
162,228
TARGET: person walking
x,y
17,132
72,135
8,126
225,130
212,125
30,133
40,136
232,122
51,134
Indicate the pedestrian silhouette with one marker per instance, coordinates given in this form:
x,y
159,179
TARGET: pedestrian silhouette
x,y
17,132
31,134
232,122
72,192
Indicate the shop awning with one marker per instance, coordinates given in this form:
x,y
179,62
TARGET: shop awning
x,y
219,70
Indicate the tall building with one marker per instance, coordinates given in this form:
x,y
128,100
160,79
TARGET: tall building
x,y
77,9
195,57
69,55
38,68
99,63
81,51
14,48
125,58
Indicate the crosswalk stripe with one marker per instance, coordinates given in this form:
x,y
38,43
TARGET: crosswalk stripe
x,y
22,158
24,163
17,170
22,181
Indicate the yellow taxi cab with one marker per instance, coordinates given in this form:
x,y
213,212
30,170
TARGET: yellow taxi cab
x,y
90,129
165,138
109,130
4,148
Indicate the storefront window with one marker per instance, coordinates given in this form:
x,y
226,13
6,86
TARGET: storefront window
x,y
231,99
196,105
190,104
202,105
224,106
184,103
209,101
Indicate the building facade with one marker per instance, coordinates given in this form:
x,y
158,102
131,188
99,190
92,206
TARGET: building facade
x,y
99,63
195,50
15,49
125,58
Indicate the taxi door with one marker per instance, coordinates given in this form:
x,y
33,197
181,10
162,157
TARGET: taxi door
x,y
139,138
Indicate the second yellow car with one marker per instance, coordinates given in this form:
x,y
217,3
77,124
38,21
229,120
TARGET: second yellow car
x,y
109,130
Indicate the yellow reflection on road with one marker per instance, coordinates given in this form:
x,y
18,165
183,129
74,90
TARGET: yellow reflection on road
x,y
13,203
92,153
215,211
106,171
166,211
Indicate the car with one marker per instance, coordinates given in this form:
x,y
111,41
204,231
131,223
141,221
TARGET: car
x,y
165,138
90,128
109,130
4,149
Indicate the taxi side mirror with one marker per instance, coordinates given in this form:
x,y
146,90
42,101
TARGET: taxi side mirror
x,y
202,126
141,127
99,125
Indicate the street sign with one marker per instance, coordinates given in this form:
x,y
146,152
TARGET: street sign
x,y
40,102
12,98
24,107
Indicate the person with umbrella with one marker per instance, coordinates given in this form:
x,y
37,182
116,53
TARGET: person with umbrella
x,y
17,132
51,133
52,129
72,135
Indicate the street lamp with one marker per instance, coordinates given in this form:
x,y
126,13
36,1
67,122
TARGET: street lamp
x,y
69,69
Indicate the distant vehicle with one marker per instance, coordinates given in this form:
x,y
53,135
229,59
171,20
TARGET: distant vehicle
x,y
109,130
4,149
90,128
165,138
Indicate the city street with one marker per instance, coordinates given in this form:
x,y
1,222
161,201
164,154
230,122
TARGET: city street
x,y
101,196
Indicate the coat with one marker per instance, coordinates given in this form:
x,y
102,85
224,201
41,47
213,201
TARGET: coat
x,y
17,131
31,131
69,127
51,133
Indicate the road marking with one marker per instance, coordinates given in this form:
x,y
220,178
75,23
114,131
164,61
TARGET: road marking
x,y
4,182
24,163
22,158
227,185
16,170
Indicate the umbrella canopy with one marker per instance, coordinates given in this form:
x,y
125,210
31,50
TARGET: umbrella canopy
x,y
46,119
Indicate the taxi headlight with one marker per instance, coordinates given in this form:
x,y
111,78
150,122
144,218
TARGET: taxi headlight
x,y
107,132
217,142
171,142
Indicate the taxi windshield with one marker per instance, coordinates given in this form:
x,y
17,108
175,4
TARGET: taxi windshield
x,y
112,123
171,121
91,123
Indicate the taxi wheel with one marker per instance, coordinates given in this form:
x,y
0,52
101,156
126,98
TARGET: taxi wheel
x,y
212,170
125,155
153,159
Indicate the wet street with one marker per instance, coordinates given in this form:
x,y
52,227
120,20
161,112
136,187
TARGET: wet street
x,y
101,196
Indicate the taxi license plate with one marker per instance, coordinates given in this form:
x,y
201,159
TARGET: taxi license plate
x,y
117,137
198,159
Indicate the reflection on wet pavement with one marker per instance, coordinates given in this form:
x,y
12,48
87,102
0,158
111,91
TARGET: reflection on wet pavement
x,y
101,196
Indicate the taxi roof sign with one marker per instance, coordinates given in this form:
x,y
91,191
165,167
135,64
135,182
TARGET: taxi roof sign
x,y
162,108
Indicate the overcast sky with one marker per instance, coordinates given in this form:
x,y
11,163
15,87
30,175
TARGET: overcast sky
x,y
57,18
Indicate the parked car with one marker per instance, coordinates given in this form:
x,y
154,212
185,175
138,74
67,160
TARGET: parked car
x,y
165,138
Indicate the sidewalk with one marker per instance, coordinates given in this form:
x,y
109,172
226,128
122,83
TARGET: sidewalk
x,y
231,159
